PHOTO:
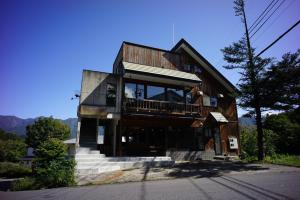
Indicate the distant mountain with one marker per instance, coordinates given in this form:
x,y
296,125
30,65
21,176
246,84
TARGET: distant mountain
x,y
247,121
13,124
18,125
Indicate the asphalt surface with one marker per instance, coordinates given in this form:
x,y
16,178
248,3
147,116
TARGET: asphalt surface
x,y
263,185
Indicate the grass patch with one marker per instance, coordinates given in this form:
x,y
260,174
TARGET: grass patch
x,y
278,159
289,160
27,183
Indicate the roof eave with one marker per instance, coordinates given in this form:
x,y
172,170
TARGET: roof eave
x,y
184,42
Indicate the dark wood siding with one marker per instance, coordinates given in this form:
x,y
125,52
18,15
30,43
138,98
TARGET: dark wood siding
x,y
149,56
210,86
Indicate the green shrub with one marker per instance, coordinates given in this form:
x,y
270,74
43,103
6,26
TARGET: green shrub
x,y
13,170
57,173
249,143
51,167
51,149
27,183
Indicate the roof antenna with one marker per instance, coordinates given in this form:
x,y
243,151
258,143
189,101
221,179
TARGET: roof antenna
x,y
173,34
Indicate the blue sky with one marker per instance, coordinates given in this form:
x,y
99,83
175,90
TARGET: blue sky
x,y
45,45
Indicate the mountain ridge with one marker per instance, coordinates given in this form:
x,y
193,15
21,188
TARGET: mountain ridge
x,y
17,125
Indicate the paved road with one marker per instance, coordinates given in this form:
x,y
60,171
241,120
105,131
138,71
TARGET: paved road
x,y
279,185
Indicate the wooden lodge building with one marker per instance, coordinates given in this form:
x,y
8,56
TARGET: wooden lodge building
x,y
158,103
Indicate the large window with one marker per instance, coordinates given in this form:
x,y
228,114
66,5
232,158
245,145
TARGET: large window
x,y
130,89
134,91
175,95
158,93
111,95
155,93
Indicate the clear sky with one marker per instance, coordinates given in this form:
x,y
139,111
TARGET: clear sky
x,y
45,45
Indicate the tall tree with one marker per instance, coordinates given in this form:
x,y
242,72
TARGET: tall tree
x,y
45,128
282,83
240,55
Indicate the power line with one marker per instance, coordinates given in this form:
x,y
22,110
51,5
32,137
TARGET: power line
x,y
280,37
267,18
263,15
277,17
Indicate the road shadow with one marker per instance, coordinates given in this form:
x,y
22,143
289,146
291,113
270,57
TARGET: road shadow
x,y
199,169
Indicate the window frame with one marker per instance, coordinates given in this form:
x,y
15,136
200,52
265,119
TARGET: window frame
x,y
111,101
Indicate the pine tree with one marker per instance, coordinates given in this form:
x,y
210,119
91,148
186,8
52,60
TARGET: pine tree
x,y
282,83
240,55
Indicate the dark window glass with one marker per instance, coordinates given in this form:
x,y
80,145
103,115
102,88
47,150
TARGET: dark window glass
x,y
189,98
175,95
155,93
130,90
140,91
213,101
110,95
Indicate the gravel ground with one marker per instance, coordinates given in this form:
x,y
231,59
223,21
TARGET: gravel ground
x,y
181,170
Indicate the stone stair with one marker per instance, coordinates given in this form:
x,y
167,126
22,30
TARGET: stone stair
x,y
90,161
93,163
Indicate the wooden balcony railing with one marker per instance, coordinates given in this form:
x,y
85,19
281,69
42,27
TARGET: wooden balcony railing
x,y
136,105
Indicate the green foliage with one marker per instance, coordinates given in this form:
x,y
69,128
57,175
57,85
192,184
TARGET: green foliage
x,y
287,133
282,84
45,128
248,139
290,160
51,167
13,170
12,147
27,183
8,136
269,142
51,149
249,142
58,173
12,150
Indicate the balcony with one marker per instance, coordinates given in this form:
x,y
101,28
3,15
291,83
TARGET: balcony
x,y
160,107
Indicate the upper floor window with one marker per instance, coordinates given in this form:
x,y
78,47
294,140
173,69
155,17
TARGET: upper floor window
x,y
130,90
175,95
140,91
210,101
111,94
155,93
197,69
134,91
213,101
189,98
186,67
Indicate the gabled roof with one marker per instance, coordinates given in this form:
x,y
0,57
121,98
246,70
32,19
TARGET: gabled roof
x,y
182,44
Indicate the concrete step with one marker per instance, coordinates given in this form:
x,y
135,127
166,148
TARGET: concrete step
x,y
79,156
96,170
136,159
95,158
123,165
